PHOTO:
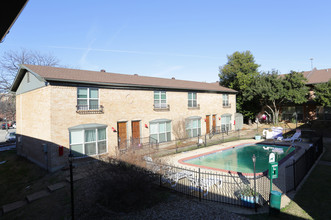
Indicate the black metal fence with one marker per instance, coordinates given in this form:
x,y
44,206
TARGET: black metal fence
x,y
214,137
235,189
137,144
297,170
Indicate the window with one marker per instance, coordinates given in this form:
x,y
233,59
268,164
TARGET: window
x,y
87,98
291,113
160,130
226,123
193,127
226,100
160,99
192,100
88,141
323,113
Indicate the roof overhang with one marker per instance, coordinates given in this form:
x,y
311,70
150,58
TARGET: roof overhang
x,y
9,12
74,82
87,126
21,72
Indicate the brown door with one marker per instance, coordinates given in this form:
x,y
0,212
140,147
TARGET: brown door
x,y
207,124
135,125
214,123
121,135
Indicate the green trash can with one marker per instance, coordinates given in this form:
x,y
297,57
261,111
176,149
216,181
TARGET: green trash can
x,y
275,199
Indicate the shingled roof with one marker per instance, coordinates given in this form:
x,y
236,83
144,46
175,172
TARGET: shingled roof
x,y
316,76
56,74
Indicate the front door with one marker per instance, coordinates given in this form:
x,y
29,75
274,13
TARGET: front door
x,y
135,125
207,124
121,135
214,123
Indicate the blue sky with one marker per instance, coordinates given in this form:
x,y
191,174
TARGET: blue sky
x,y
185,39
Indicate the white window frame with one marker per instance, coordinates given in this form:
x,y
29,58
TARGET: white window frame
x,y
226,100
160,104
189,127
158,131
96,141
192,99
87,99
227,126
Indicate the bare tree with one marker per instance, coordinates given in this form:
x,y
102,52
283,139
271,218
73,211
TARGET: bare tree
x,y
179,129
7,107
10,62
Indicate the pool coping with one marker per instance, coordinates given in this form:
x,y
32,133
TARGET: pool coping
x,y
264,173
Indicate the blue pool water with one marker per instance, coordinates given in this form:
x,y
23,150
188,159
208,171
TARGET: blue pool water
x,y
239,159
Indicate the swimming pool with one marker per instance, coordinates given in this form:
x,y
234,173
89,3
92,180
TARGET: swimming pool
x,y
239,158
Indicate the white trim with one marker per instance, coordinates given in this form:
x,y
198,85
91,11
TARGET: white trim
x,y
84,142
88,96
192,99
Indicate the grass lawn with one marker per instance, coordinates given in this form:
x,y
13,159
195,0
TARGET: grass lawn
x,y
20,177
313,200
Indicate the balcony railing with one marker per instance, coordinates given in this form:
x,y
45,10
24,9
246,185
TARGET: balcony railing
x,y
89,109
194,107
162,106
137,144
226,105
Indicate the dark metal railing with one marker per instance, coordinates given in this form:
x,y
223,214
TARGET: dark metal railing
x,y
89,108
297,170
194,107
227,188
161,107
226,105
137,144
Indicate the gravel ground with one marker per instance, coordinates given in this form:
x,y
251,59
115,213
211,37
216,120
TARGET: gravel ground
x,y
176,207
186,208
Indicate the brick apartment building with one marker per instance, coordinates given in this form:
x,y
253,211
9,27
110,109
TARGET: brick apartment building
x,y
95,113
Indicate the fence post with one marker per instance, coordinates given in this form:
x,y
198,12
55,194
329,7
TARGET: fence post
x,y
295,187
176,146
199,186
238,134
223,136
205,140
198,141
306,160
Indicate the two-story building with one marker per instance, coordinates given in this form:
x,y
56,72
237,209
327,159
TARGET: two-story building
x,y
94,113
309,110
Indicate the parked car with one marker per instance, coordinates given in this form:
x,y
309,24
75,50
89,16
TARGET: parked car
x,y
11,124
3,126
11,137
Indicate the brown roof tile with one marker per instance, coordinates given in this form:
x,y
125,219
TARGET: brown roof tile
x,y
317,76
94,77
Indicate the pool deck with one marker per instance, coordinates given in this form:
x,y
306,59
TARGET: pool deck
x,y
175,160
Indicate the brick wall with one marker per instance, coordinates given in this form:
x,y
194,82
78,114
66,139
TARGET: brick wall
x,y
48,112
